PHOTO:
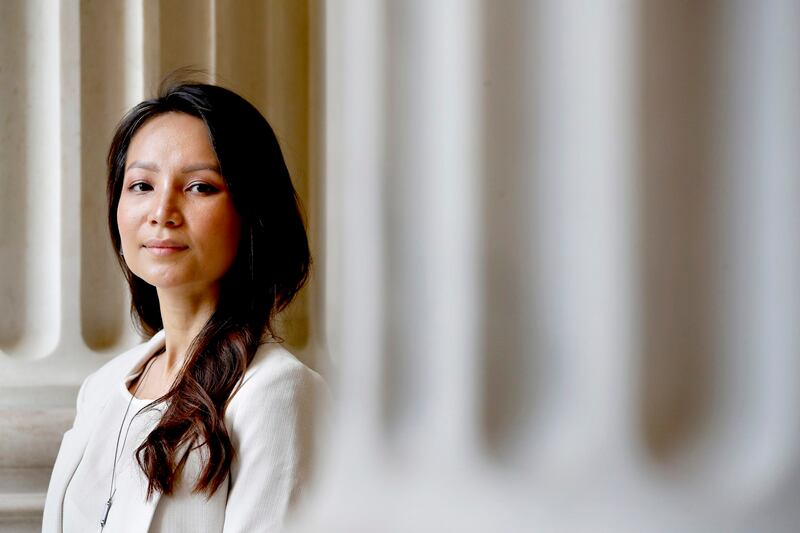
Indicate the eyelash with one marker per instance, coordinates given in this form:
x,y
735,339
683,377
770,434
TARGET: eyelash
x,y
133,186
211,188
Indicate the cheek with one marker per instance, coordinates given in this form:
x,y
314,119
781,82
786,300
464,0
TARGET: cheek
x,y
225,226
125,221
232,231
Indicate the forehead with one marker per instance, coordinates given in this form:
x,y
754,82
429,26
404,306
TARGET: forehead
x,y
172,139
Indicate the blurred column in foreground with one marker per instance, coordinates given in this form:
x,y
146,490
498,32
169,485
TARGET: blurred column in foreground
x,y
563,264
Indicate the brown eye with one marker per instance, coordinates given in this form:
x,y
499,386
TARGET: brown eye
x,y
203,188
134,186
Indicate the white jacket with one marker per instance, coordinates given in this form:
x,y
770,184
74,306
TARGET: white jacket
x,y
269,419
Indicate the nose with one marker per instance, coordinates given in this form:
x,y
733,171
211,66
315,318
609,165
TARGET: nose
x,y
166,208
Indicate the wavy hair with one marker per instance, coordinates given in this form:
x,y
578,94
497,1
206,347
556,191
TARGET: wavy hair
x,y
272,264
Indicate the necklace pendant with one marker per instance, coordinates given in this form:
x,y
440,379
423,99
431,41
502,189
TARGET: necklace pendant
x,y
105,514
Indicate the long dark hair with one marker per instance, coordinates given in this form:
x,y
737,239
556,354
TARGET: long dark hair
x,y
271,266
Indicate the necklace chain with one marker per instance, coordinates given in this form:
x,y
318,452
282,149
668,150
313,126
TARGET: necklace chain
x,y
118,453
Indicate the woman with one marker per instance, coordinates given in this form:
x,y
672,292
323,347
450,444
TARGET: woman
x,y
205,427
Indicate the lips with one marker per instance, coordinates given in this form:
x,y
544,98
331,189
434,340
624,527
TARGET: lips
x,y
165,244
164,247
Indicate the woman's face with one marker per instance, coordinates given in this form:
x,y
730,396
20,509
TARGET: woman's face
x,y
176,217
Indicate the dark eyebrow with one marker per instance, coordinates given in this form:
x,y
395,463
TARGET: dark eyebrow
x,y
200,166
194,167
144,165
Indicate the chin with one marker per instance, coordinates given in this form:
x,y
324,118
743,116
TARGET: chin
x,y
188,283
161,283
162,280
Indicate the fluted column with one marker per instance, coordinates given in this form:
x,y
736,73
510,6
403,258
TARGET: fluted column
x,y
584,222
757,354
356,210
33,133
432,239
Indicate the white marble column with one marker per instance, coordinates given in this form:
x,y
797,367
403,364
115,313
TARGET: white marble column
x,y
757,207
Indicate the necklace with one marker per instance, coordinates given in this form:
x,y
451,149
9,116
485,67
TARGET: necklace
x,y
113,489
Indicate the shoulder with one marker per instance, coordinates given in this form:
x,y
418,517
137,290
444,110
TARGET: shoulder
x,y
273,420
121,364
275,363
276,379
94,390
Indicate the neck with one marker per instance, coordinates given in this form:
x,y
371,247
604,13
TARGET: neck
x,y
183,315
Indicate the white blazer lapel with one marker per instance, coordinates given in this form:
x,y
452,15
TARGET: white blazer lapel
x,y
73,445
69,456
136,513
140,522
